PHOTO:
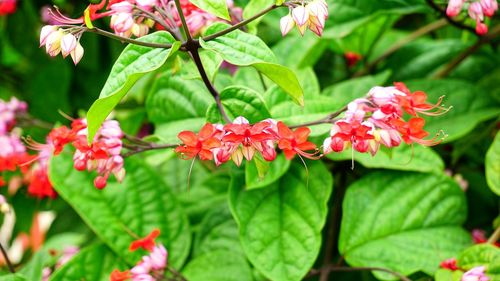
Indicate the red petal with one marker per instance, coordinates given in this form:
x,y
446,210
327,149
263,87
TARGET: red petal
x,y
301,134
284,131
189,138
207,131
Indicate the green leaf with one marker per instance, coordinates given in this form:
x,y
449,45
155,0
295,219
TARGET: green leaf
x,y
173,98
280,225
243,49
217,231
493,165
133,63
300,51
252,8
482,255
393,220
13,277
237,101
469,107
276,169
349,90
215,7
92,263
222,265
139,204
448,275
404,157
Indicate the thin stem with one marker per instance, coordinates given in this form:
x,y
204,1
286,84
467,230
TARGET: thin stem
x,y
241,23
128,40
414,35
495,32
189,38
332,267
327,120
495,236
7,260
176,274
151,146
453,22
159,20
197,60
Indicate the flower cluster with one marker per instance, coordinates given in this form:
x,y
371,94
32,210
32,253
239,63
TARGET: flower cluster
x,y
151,267
477,10
59,41
240,139
102,155
308,14
378,119
7,7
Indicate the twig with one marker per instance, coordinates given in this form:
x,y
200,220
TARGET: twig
x,y
414,35
332,267
495,236
134,149
7,260
159,20
327,120
493,34
176,274
450,20
241,23
197,60
183,20
125,39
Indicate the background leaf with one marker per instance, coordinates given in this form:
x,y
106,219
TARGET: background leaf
x,y
393,220
280,225
215,7
493,165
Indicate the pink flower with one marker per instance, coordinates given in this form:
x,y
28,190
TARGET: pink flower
x,y
311,15
489,7
475,274
454,7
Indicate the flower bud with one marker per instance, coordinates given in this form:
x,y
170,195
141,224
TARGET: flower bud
x,y
45,32
481,28
300,15
53,43
139,29
77,53
122,22
122,7
68,44
286,24
489,7
454,7
476,11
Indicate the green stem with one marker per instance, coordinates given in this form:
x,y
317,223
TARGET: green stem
x,y
495,236
189,38
128,40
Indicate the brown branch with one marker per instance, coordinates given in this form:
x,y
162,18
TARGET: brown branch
x,y
134,149
495,236
493,34
7,260
327,120
453,22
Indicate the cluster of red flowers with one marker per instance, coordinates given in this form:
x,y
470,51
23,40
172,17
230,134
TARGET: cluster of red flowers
x,y
151,267
367,123
7,7
378,119
240,140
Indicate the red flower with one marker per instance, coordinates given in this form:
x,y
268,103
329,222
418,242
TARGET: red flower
x,y
412,131
60,137
415,102
117,275
40,185
450,264
354,132
352,58
7,7
147,243
251,137
198,145
295,142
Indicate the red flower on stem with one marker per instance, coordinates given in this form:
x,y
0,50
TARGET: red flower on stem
x,y
415,102
198,145
147,243
295,142
412,131
117,275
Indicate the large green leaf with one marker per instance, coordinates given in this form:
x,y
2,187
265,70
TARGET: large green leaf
x,y
349,90
215,7
13,277
238,101
173,98
394,220
482,255
141,203
470,106
300,51
92,263
280,225
221,265
133,63
243,49
493,165
406,158
217,231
